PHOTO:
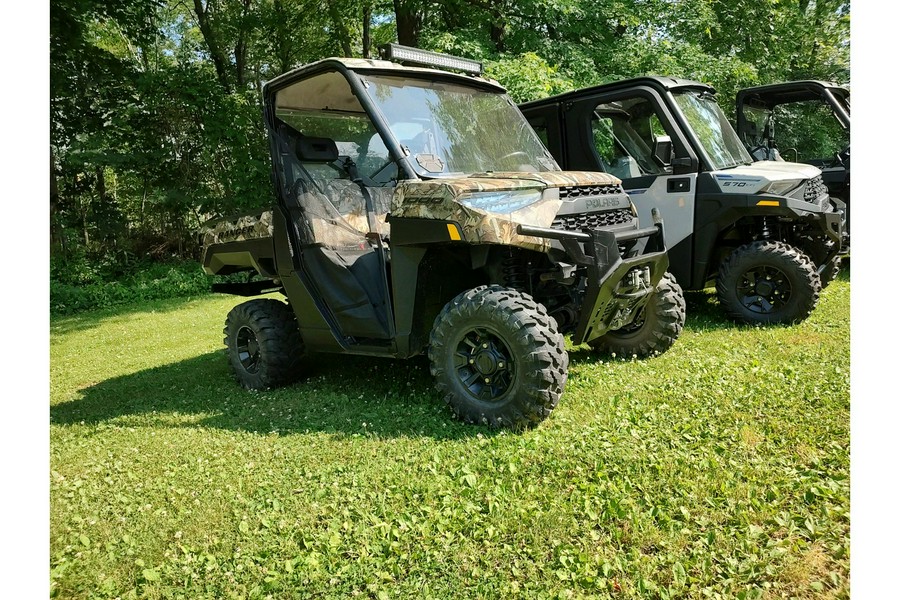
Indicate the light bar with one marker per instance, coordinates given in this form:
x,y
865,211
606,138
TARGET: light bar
x,y
426,58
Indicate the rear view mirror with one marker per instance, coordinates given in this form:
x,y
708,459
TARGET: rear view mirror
x,y
316,149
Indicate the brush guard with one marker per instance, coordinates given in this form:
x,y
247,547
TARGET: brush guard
x,y
617,286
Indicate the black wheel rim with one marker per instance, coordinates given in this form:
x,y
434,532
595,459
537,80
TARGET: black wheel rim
x,y
483,365
764,289
247,349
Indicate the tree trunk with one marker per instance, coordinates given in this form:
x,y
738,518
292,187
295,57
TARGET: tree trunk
x,y
101,184
366,32
56,239
282,42
498,25
340,28
85,208
240,48
498,34
219,59
144,202
409,22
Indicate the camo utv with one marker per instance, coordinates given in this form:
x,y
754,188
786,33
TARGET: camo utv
x,y
417,211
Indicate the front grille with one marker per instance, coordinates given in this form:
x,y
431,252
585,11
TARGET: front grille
x,y
593,220
576,191
815,187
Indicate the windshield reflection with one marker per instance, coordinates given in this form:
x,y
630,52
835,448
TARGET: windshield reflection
x,y
713,130
453,129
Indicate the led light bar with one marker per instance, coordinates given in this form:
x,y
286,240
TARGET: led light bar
x,y
426,58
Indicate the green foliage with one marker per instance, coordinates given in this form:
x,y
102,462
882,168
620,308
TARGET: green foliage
x,y
807,131
719,469
527,77
155,108
78,284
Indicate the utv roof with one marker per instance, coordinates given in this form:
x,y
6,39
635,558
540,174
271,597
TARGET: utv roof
x,y
654,81
791,91
382,67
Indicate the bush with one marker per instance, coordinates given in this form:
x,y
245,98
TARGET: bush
x,y
78,284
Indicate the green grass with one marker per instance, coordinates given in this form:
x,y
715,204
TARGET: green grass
x,y
717,470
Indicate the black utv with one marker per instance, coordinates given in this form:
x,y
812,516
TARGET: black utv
x,y
803,121
417,211
766,234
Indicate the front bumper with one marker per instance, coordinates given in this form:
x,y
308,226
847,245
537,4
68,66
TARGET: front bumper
x,y
617,286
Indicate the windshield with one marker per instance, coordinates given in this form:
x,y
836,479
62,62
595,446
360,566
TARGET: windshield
x,y
713,130
449,128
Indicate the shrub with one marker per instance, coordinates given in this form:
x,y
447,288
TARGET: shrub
x,y
78,284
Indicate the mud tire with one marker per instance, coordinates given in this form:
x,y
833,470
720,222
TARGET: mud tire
x,y
768,282
497,358
263,344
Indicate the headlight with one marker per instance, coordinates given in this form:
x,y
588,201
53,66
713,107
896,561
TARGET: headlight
x,y
781,187
501,202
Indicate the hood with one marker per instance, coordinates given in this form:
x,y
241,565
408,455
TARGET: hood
x,y
453,187
443,199
758,177
774,170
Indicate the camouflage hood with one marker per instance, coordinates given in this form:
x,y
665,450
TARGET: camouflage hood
x,y
441,199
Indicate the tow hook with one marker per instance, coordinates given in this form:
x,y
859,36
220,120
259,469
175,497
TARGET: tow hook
x,y
635,284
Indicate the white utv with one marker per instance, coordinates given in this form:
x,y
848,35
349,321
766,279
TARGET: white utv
x,y
765,233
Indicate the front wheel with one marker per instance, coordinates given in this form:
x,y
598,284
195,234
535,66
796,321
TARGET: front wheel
x,y
654,329
768,282
497,358
817,249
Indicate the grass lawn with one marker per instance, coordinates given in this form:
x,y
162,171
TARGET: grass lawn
x,y
717,470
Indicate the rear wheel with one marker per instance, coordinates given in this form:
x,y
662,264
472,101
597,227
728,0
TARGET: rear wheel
x,y
497,358
768,282
654,329
263,344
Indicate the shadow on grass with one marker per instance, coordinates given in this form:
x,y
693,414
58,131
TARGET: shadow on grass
x,y
337,394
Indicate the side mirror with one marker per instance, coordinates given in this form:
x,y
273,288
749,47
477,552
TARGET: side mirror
x,y
662,150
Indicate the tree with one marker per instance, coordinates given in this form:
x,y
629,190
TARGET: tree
x,y
155,106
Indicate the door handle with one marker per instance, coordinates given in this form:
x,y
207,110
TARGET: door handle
x,y
678,184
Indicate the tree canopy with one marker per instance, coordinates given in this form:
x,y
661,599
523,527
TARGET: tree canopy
x,y
155,115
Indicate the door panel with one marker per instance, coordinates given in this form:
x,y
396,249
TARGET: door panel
x,y
676,207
